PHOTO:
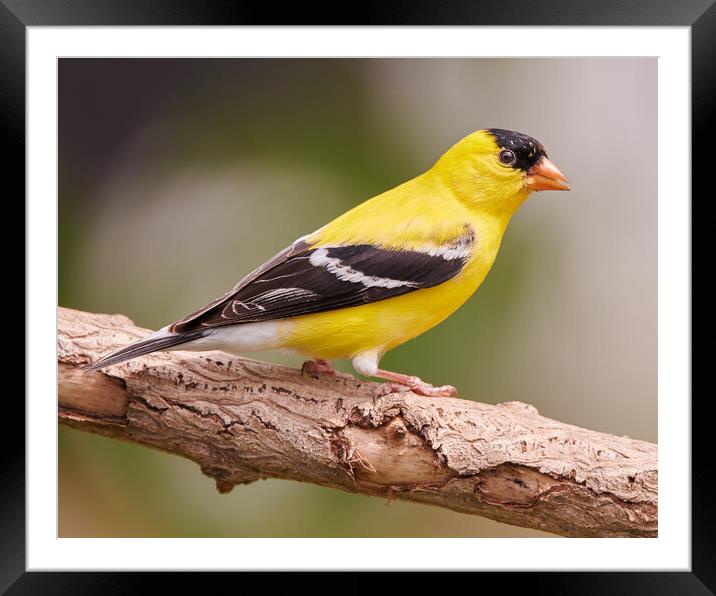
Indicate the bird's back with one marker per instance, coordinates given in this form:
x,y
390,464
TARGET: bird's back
x,y
418,212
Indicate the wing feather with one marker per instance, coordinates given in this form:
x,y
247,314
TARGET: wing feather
x,y
189,322
303,279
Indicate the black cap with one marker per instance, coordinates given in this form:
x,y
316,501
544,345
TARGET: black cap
x,y
527,150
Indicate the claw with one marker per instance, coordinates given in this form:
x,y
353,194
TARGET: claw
x,y
387,388
399,383
432,391
316,367
323,367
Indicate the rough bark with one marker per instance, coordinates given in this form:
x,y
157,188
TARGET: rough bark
x,y
242,420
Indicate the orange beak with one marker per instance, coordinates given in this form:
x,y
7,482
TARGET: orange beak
x,y
544,175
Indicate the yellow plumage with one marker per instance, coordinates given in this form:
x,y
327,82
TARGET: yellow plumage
x,y
431,209
380,274
386,324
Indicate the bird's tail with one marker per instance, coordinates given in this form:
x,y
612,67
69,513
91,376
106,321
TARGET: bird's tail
x,y
156,342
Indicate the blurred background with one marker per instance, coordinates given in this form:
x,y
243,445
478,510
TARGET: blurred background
x,y
179,176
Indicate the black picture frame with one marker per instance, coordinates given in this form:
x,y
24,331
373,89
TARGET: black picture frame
x,y
17,15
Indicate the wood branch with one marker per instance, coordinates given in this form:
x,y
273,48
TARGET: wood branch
x,y
242,420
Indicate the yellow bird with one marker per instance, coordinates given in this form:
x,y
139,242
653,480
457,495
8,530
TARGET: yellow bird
x,y
380,274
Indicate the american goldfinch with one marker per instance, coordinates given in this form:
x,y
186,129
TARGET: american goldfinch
x,y
380,274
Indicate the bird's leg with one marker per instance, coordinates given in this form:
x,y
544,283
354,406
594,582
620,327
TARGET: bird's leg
x,y
401,382
318,366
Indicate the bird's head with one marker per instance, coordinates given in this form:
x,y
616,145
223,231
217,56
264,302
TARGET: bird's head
x,y
497,169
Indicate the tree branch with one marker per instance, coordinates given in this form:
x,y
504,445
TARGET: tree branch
x,y
242,420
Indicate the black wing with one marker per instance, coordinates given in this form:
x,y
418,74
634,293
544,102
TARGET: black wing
x,y
309,280
188,322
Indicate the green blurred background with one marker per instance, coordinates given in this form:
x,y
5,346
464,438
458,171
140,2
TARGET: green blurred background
x,y
179,176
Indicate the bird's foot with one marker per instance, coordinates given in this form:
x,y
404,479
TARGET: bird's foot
x,y
323,367
318,367
400,383
425,389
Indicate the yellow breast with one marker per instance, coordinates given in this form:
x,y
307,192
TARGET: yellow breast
x,y
385,324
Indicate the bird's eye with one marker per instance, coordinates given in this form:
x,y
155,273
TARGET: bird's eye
x,y
506,157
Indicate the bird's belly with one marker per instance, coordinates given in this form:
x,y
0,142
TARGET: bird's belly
x,y
343,333
249,337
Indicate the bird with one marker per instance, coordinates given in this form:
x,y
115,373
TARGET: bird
x,y
378,275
